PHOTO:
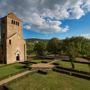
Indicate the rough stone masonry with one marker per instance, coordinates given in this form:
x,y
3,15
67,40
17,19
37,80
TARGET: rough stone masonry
x,y
12,44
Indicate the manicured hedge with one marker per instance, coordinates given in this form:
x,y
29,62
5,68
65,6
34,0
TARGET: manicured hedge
x,y
70,69
80,75
77,62
43,72
55,63
44,62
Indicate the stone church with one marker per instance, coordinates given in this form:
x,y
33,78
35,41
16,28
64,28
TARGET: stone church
x,y
12,44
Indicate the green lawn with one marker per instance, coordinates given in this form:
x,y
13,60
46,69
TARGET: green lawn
x,y
51,81
78,66
7,70
10,69
2,65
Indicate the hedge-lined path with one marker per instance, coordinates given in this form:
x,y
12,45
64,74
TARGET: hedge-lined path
x,y
15,77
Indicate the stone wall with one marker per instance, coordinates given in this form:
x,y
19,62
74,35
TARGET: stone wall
x,y
15,46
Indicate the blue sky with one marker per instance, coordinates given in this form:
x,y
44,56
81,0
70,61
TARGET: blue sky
x,y
77,27
50,18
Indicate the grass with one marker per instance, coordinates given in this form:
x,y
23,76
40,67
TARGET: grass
x,y
64,64
78,66
82,67
2,65
51,81
17,67
10,69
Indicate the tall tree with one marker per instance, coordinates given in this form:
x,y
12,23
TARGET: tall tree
x,y
76,46
40,48
53,46
70,50
82,44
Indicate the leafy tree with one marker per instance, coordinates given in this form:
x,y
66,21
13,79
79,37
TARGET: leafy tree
x,y
53,46
30,46
70,50
82,44
40,48
85,48
76,46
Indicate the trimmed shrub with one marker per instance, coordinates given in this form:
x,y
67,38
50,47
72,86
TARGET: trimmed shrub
x,y
33,62
72,73
44,62
55,63
43,72
70,69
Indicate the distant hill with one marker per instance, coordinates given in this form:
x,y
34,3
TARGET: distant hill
x,y
31,42
35,40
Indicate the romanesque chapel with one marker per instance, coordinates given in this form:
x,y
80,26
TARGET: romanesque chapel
x,y
12,44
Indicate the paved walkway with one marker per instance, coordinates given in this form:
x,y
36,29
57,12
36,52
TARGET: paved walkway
x,y
44,65
14,77
52,61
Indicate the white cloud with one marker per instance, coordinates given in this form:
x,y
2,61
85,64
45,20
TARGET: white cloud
x,y
86,35
49,27
28,27
86,6
34,12
76,13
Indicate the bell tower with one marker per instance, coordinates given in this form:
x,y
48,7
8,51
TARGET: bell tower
x,y
12,42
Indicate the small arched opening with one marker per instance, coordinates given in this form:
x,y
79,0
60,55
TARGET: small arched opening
x,y
18,57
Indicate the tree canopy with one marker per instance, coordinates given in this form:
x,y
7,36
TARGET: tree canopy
x,y
40,48
53,46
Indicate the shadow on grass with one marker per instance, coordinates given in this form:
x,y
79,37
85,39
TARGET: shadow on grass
x,y
3,87
44,72
20,67
44,62
28,62
89,65
25,62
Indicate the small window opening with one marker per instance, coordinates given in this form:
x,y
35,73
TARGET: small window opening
x,y
18,23
12,22
10,42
